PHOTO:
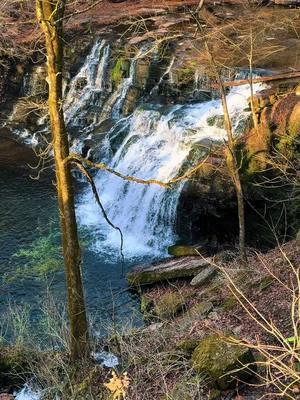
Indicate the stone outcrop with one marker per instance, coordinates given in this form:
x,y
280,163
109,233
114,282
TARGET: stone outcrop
x,y
181,251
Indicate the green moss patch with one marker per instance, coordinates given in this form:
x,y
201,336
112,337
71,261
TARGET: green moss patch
x,y
120,71
223,362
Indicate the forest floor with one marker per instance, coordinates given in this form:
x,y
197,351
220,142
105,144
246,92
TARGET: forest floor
x,y
265,290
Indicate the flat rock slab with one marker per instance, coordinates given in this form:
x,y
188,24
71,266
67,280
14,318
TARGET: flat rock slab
x,y
204,276
169,269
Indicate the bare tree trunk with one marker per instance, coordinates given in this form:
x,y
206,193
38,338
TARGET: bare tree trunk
x,y
50,16
231,160
250,60
234,172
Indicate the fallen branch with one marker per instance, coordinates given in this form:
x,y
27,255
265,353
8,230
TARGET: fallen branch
x,y
86,173
278,77
76,158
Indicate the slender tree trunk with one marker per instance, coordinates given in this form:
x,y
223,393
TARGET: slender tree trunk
x,y
50,16
232,162
250,60
231,158
234,172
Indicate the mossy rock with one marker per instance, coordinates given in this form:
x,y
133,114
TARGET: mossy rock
x,y
185,389
215,394
181,251
167,270
216,120
201,309
146,303
224,363
120,71
169,305
204,277
146,307
195,313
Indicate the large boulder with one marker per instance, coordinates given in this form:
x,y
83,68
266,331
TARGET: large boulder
x,y
224,363
173,268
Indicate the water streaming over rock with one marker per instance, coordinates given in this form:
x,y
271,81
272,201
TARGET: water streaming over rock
x,y
153,142
85,95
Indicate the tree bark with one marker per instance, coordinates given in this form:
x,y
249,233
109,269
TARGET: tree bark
x,y
233,167
50,16
232,162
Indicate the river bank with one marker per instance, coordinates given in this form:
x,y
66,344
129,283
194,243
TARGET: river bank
x,y
179,353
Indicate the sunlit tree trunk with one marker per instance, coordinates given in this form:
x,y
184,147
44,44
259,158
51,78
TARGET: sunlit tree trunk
x,y
231,160
250,61
50,16
233,168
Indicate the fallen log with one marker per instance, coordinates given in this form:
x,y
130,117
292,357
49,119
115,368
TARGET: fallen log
x,y
169,269
270,78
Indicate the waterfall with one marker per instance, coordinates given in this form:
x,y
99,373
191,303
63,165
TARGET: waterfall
x,y
87,87
155,143
122,91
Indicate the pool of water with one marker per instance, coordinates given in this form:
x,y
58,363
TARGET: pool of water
x,y
29,213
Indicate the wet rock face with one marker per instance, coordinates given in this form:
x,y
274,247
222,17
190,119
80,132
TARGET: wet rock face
x,y
207,209
131,100
11,77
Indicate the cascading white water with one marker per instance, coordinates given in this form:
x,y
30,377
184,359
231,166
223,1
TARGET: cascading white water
x,y
87,86
157,144
121,93
153,142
